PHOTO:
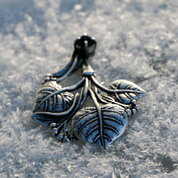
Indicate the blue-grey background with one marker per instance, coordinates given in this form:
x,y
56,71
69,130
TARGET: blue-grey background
x,y
137,41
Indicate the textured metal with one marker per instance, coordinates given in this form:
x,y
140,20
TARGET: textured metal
x,y
65,112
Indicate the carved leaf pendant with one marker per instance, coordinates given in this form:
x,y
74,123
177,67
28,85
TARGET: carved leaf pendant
x,y
101,125
102,131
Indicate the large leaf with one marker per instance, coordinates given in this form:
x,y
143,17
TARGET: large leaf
x,y
55,104
127,97
89,127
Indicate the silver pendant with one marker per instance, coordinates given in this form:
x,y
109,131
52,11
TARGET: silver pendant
x,y
64,111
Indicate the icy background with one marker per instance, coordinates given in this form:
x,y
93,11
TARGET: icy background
x,y
137,41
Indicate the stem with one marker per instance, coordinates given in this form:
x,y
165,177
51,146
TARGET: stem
x,y
98,97
75,109
99,116
66,68
69,71
85,90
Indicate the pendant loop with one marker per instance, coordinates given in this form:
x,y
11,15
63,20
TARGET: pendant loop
x,y
85,46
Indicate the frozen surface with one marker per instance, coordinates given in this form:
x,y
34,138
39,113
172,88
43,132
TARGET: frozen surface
x,y
137,41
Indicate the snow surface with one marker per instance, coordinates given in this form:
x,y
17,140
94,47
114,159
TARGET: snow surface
x,y
137,41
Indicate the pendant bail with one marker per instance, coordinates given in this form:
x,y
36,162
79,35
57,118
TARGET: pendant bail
x,y
85,46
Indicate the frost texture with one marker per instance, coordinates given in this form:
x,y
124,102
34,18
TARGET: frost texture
x,y
137,41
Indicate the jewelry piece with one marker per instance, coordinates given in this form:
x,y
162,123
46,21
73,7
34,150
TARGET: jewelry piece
x,y
64,112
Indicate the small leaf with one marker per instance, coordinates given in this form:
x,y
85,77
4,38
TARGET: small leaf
x,y
127,97
87,127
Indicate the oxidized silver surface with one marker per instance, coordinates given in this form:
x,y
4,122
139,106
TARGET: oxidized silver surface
x,y
65,112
